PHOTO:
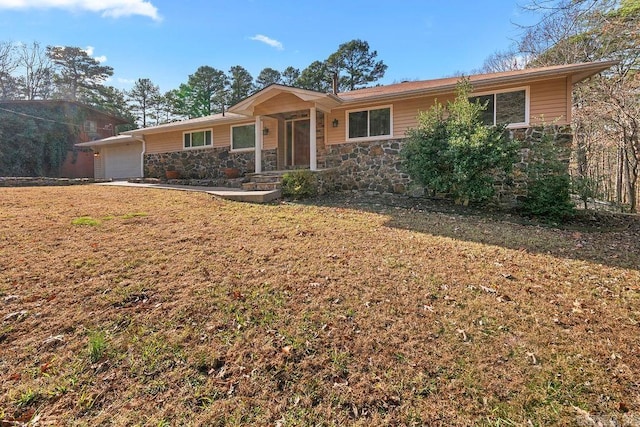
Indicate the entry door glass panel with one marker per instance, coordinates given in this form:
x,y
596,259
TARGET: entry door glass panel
x,y
289,144
301,142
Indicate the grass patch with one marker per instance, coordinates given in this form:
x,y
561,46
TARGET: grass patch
x,y
85,220
97,346
352,311
27,398
134,215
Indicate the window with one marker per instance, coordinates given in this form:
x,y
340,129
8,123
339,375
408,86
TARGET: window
x,y
201,138
243,137
90,126
371,123
504,108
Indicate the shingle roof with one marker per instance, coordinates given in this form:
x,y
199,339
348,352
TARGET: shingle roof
x,y
576,72
581,71
191,123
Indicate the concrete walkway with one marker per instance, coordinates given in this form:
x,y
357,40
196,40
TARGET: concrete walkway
x,y
235,194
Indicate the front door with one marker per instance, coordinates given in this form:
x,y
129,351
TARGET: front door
x,y
297,143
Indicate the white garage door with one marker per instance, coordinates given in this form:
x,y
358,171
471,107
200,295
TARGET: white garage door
x,y
123,161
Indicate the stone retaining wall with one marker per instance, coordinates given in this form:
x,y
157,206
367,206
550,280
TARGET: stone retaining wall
x,y
206,163
25,181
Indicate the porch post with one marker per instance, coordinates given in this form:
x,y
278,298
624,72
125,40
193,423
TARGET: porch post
x,y
313,161
258,160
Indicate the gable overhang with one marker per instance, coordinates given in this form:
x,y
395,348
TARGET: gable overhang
x,y
319,100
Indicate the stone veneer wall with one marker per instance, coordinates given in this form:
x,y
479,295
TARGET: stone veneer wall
x,y
512,190
373,166
376,166
206,163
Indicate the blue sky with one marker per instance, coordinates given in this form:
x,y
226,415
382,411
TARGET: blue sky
x,y
166,40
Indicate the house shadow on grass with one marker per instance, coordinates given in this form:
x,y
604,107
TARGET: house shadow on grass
x,y
604,238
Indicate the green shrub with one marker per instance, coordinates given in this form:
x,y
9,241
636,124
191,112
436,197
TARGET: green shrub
x,y
299,184
585,188
452,151
548,198
548,183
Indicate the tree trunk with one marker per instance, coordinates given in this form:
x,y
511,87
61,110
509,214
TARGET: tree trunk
x,y
619,176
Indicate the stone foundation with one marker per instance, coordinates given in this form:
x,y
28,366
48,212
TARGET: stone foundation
x,y
377,167
373,166
512,190
206,163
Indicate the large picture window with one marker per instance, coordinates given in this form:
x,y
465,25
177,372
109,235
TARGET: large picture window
x,y
504,108
243,137
197,139
372,123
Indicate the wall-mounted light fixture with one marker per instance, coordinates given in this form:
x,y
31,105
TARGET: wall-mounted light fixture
x,y
96,154
335,123
265,131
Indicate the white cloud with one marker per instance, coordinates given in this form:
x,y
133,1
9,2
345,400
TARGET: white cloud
x,y
110,8
266,40
89,50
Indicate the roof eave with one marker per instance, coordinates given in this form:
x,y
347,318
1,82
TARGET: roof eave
x,y
113,140
186,124
578,73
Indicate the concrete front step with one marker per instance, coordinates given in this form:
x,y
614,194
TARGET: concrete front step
x,y
261,186
265,178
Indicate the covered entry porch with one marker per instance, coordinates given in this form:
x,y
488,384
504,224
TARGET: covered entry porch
x,y
299,116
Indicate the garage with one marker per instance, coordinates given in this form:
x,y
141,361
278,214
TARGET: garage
x,y
118,157
123,161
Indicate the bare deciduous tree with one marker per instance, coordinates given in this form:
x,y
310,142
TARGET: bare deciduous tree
x,y
8,64
606,108
37,79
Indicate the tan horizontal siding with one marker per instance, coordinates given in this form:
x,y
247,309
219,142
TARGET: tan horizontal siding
x,y
163,142
172,141
270,141
548,102
222,135
336,135
282,103
405,115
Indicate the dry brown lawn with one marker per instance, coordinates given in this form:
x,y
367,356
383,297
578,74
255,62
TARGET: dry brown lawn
x,y
124,306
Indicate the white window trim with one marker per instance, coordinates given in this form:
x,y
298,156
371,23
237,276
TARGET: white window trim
x,y
199,147
527,101
240,150
369,138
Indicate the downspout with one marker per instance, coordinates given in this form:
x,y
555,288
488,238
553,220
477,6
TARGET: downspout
x,y
144,150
